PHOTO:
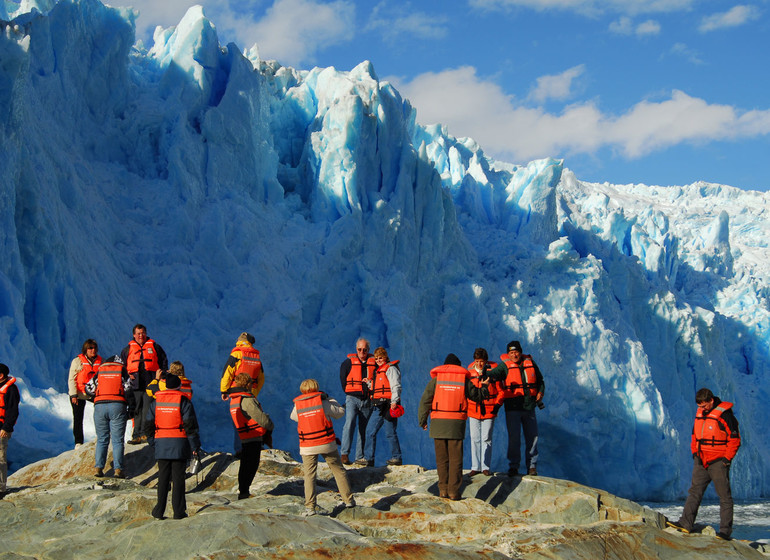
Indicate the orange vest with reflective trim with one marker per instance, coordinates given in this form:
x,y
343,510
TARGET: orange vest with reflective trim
x,y
8,382
87,371
355,380
521,379
449,400
249,362
711,435
186,387
248,428
146,352
313,426
381,385
109,387
168,414
485,409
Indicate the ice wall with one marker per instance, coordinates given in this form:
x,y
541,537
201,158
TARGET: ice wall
x,y
203,191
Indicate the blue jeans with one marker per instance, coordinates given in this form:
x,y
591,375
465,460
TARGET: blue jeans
x,y
355,409
481,443
515,420
110,421
376,421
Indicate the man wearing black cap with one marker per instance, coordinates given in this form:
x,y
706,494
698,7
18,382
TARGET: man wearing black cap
x,y
172,431
9,412
523,389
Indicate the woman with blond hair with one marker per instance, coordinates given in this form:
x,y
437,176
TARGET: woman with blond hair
x,y
313,411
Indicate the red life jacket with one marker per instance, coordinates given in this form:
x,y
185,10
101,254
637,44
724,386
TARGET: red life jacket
x,y
249,362
146,352
168,414
87,371
355,381
8,382
313,426
449,400
109,386
248,428
186,387
516,384
381,385
485,409
711,435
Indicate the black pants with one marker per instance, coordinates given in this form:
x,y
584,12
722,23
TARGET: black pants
x,y
77,420
142,403
250,454
171,473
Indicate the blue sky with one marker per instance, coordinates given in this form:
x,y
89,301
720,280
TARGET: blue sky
x,y
661,92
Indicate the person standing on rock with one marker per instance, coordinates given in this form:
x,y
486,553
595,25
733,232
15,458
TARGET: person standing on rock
x,y
313,411
82,370
523,389
714,442
9,413
386,401
110,414
355,373
143,358
243,358
445,399
253,426
481,415
172,431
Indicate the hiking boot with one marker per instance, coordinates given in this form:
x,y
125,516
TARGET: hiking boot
x,y
364,462
345,459
486,472
532,471
351,503
723,536
134,441
474,473
677,525
98,472
393,462
119,473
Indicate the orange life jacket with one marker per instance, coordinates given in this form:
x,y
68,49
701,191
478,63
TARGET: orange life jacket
x,y
313,426
248,428
87,371
109,386
249,362
711,437
146,352
186,387
168,414
449,400
8,382
521,379
355,381
381,385
485,409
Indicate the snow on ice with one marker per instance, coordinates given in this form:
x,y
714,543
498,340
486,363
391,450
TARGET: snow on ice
x,y
203,191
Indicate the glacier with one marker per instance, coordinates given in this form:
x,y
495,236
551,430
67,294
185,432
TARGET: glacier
x,y
202,191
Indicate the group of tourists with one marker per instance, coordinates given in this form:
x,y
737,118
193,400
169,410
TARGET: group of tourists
x,y
139,385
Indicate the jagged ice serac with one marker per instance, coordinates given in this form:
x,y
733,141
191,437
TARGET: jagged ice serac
x,y
202,191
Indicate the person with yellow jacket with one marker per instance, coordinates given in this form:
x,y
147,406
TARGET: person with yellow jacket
x,y
714,443
243,358
313,411
254,428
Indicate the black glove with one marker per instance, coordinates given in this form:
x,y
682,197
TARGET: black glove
x,y
726,461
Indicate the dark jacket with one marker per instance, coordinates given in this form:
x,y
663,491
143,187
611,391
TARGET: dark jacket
x,y
175,448
443,428
11,414
143,376
527,402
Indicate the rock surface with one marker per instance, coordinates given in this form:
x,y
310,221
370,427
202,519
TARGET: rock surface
x,y
56,509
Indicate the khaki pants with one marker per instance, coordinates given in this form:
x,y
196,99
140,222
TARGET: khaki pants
x,y
3,463
449,466
310,468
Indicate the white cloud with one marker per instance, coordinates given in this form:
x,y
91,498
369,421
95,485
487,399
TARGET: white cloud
x,y
625,26
399,19
478,108
558,86
153,13
589,7
734,17
681,49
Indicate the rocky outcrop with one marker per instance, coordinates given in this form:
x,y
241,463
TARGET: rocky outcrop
x,y
56,509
